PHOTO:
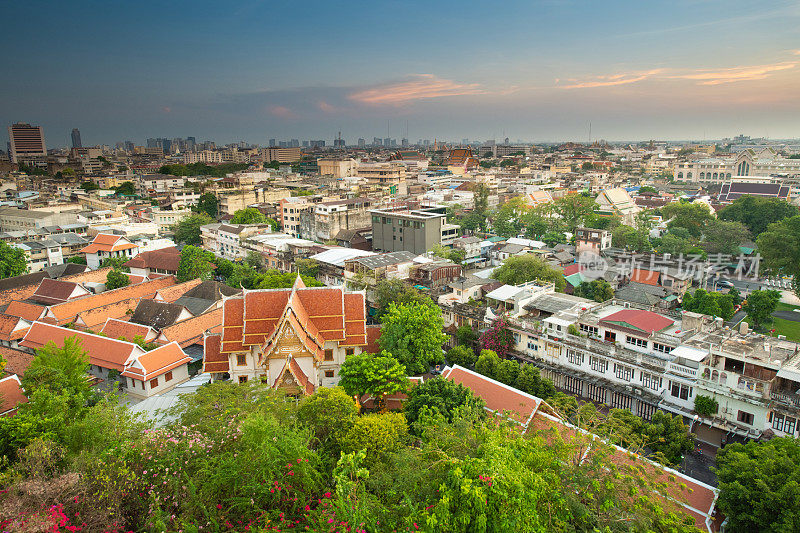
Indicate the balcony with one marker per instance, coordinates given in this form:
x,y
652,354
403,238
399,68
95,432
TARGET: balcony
x,y
790,399
683,371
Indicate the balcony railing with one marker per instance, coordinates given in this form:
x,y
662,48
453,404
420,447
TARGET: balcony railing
x,y
785,397
684,371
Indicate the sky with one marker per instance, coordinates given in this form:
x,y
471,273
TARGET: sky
x,y
536,70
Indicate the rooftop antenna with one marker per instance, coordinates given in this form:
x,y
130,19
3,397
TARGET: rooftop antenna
x,y
590,133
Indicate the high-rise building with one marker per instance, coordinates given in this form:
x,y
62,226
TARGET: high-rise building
x,y
25,140
76,138
377,142
404,142
387,142
272,143
361,142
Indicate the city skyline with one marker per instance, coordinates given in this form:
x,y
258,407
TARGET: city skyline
x,y
540,71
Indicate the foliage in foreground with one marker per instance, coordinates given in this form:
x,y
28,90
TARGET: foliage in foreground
x,y
244,458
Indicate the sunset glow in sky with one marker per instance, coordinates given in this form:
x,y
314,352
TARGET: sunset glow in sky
x,y
535,70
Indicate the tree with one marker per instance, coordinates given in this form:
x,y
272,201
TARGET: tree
x,y
413,334
705,405
207,203
709,303
724,237
552,238
647,189
498,337
466,336
440,396
630,238
487,363
194,264
127,188
598,290
116,279
757,213
376,375
89,186
758,485
329,412
520,269
307,267
573,208
187,230
672,244
462,356
378,434
530,380
760,305
668,437
59,369
275,279
692,216
249,215
779,246
507,371
12,261
395,290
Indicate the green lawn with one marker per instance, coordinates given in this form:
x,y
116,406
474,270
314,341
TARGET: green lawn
x,y
782,326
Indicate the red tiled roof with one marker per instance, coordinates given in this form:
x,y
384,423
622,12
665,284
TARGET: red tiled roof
x,y
11,395
650,277
17,361
637,319
170,294
102,351
213,359
373,334
26,310
191,331
134,280
8,325
163,259
25,292
498,397
116,328
574,268
98,315
156,362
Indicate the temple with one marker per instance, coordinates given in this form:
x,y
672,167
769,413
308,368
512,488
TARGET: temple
x,y
293,339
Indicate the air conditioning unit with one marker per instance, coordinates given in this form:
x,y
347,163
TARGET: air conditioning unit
x,y
637,391
628,388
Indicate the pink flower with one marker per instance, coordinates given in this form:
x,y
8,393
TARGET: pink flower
x,y
327,494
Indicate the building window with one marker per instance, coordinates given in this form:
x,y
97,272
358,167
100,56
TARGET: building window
x,y
598,364
621,401
350,351
680,390
623,372
533,346
168,376
589,330
575,357
154,383
745,418
241,359
645,410
573,385
663,348
329,373
329,355
596,393
242,379
651,381
641,343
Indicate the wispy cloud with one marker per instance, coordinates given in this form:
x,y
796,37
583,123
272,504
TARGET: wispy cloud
x,y
281,111
736,74
701,76
614,79
422,86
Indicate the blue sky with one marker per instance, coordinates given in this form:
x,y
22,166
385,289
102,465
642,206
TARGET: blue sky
x,y
536,70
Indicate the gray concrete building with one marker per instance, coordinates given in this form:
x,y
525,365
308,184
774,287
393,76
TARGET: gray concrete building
x,y
414,230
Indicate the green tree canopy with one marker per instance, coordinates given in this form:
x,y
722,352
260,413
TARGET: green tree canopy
x,y
201,169
462,356
413,334
759,488
194,264
760,305
724,237
631,239
692,216
59,369
779,246
520,269
376,375
116,279
709,303
187,230
440,396
127,188
12,261
573,208
756,213
598,290
208,204
249,215
394,290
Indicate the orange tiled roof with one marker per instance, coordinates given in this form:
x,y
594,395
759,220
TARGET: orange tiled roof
x,y
649,277
55,291
67,311
213,359
8,325
11,395
170,294
191,331
17,361
162,259
26,310
116,328
98,315
373,334
25,292
102,351
105,242
156,362
134,280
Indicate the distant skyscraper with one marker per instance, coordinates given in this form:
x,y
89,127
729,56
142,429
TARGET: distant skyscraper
x,y
272,143
404,143
376,142
76,138
387,142
294,143
361,142
25,140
